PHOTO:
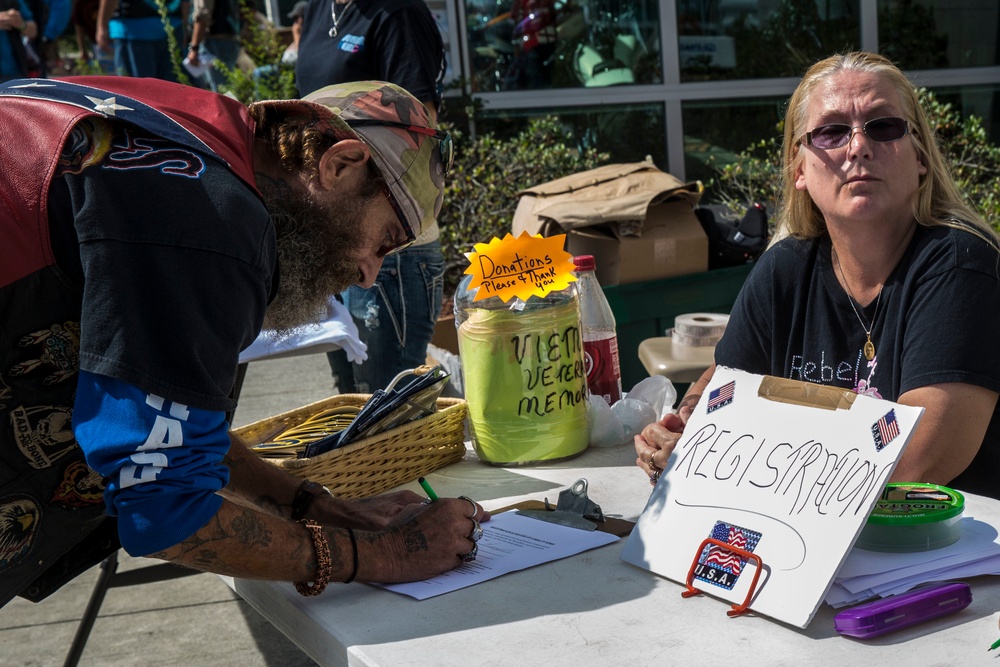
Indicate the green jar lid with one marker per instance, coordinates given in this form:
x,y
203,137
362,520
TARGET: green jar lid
x,y
913,503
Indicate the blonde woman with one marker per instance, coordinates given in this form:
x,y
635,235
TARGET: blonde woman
x,y
884,281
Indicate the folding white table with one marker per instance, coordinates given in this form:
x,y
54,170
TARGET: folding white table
x,y
592,608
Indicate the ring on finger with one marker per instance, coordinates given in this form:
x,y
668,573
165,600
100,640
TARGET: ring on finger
x,y
654,476
477,531
475,507
471,556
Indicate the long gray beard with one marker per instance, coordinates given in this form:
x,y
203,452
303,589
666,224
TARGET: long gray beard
x,y
314,246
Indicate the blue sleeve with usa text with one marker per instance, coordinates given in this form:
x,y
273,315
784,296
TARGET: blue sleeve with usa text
x,y
162,460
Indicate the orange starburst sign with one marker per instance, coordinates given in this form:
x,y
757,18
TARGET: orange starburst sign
x,y
520,267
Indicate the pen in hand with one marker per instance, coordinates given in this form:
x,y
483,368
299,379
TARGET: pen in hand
x,y
425,485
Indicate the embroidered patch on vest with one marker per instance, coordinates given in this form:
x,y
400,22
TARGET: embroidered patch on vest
x,y
44,434
60,350
79,487
6,393
19,519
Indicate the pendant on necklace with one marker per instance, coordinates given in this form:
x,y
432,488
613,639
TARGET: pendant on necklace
x,y
869,349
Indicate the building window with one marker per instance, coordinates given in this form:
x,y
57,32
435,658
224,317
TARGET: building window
x,y
627,132
936,34
716,131
545,44
753,39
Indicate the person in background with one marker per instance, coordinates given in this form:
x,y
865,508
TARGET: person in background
x,y
135,29
297,15
150,231
16,22
52,17
396,41
215,32
84,18
884,280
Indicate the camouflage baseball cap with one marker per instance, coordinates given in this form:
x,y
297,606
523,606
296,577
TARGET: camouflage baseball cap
x,y
409,159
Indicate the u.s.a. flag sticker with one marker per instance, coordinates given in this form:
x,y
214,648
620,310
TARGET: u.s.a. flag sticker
x,y
885,430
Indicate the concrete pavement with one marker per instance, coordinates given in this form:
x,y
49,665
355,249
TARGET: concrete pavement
x,y
192,621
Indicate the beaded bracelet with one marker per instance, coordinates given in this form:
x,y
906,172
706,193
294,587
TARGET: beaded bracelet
x,y
324,564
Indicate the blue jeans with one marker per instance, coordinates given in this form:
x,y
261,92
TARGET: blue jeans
x,y
395,318
147,58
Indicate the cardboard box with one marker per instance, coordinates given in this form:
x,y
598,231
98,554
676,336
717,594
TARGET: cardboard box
x,y
594,207
445,334
672,243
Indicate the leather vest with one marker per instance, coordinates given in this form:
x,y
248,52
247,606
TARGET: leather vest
x,y
52,520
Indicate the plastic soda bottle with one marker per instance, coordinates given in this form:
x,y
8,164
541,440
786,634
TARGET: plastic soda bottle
x,y
600,338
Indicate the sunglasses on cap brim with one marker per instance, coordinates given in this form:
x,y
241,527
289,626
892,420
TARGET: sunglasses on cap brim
x,y
445,146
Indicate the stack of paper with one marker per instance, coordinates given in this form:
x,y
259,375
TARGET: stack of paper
x,y
867,574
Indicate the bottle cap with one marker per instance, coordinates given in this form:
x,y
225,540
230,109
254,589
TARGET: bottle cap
x,y
584,262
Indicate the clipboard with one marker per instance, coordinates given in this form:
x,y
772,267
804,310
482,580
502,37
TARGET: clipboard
x,y
610,525
781,476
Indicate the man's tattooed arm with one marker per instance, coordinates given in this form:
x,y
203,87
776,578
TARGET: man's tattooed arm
x,y
241,542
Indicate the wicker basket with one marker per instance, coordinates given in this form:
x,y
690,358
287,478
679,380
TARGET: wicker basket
x,y
377,463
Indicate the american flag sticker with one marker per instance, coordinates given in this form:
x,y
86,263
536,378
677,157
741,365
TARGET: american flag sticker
x,y
721,397
885,430
721,566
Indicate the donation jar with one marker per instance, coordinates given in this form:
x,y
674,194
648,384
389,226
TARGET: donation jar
x,y
525,377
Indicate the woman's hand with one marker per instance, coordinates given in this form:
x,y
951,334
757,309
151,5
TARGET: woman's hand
x,y
657,441
655,444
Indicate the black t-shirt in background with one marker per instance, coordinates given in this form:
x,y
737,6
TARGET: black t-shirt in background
x,y
377,40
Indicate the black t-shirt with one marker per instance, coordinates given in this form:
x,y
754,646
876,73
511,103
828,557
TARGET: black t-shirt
x,y
174,286
938,321
383,40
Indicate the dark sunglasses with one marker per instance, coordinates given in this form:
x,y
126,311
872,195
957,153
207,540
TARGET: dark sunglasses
x,y
445,146
410,236
883,130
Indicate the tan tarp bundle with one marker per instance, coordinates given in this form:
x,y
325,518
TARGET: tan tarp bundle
x,y
614,193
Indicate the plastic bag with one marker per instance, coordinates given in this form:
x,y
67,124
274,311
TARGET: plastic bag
x,y
649,401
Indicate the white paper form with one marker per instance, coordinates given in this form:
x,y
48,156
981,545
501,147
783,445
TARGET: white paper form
x,y
866,574
510,542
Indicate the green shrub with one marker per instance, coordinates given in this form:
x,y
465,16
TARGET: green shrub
x,y
481,191
271,79
755,175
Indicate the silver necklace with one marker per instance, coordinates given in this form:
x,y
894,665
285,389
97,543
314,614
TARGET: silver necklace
x,y
333,13
869,348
